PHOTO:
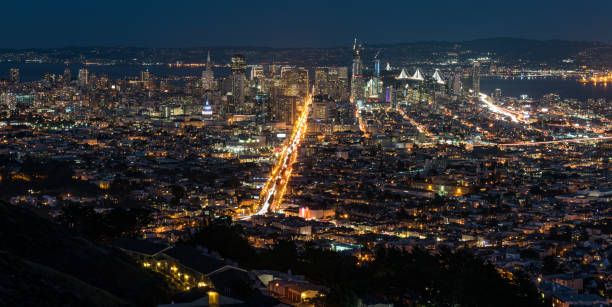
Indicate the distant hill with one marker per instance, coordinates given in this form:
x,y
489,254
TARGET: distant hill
x,y
509,50
46,263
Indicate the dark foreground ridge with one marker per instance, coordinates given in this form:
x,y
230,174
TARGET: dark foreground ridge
x,y
44,264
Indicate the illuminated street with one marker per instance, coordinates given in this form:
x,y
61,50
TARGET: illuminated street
x,y
497,109
272,194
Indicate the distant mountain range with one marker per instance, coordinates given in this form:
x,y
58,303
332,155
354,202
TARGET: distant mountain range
x,y
508,51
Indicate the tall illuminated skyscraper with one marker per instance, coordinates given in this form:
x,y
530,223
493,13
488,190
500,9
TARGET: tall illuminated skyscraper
x,y
374,86
238,64
321,81
294,82
208,77
332,81
238,79
357,83
257,71
83,77
145,76
476,78
357,65
376,66
457,82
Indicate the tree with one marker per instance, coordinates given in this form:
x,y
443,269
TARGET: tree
x,y
115,223
178,192
550,265
529,254
340,296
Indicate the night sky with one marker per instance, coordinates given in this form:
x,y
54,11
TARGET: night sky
x,y
289,23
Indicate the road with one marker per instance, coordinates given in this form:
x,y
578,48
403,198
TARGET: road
x,y
601,138
488,102
273,191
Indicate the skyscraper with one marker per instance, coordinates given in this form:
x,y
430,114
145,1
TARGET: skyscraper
x,y
476,78
14,74
238,79
357,69
145,76
332,81
208,76
342,83
377,67
147,79
286,107
357,83
257,71
457,82
83,76
321,81
238,64
374,85
302,81
238,91
294,82
67,75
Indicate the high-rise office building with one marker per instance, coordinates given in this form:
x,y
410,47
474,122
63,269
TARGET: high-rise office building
x,y
294,82
321,81
457,82
476,78
283,108
264,110
147,79
332,81
145,76
238,83
14,75
321,105
208,76
341,84
303,82
357,65
83,77
497,94
238,64
257,72
377,68
285,69
357,83
274,69
389,93
67,75
238,90
374,86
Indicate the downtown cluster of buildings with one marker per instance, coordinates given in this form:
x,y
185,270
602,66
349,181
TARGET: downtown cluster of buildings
x,y
389,158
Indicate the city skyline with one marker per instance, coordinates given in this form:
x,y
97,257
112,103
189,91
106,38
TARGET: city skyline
x,y
395,162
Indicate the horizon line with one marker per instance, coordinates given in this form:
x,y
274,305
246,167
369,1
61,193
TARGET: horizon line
x,y
310,47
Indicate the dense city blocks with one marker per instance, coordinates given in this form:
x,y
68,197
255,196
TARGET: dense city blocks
x,y
439,172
